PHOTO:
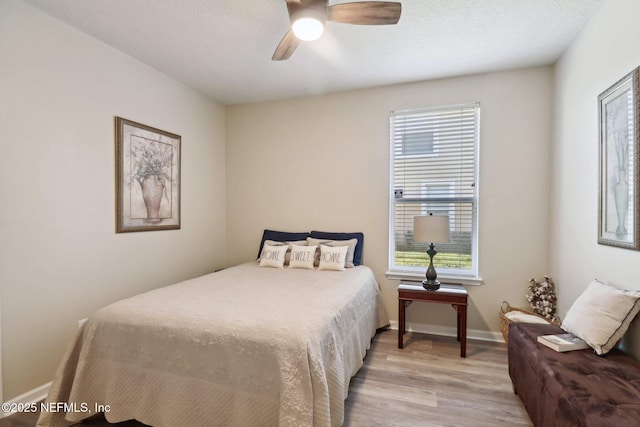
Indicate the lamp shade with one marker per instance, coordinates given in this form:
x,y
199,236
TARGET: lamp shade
x,y
431,229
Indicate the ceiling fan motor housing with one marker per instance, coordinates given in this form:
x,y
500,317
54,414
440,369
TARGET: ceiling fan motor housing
x,y
308,22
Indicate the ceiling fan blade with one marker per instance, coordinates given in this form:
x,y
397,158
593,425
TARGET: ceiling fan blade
x,y
287,45
365,13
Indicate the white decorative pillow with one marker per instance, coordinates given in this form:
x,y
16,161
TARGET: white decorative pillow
x,y
333,258
602,315
302,256
351,244
273,256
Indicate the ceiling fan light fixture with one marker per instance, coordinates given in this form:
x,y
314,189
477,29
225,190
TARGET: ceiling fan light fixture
x,y
308,24
308,18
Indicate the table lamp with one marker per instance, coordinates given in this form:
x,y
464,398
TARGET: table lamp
x,y
431,229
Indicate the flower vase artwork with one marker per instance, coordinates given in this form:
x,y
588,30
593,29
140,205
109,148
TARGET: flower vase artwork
x,y
147,178
152,191
618,132
151,168
542,298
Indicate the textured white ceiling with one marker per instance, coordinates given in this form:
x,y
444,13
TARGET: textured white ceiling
x,y
223,48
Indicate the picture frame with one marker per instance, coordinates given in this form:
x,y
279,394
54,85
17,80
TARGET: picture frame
x,y
619,163
147,178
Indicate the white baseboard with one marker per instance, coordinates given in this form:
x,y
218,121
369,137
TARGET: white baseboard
x,y
33,396
450,331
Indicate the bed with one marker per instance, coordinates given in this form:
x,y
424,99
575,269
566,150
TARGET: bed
x,y
245,346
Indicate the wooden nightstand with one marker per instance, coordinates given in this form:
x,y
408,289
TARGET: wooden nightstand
x,y
456,295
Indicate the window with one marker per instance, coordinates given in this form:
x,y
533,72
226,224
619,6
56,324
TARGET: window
x,y
434,169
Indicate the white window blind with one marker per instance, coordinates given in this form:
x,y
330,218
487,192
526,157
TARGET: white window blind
x,y
434,169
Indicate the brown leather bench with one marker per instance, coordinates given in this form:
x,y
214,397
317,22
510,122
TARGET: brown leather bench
x,y
575,388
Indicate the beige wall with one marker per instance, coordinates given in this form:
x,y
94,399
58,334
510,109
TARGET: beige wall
x,y
323,163
605,51
60,258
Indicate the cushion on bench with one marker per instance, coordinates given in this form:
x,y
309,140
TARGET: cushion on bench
x,y
575,388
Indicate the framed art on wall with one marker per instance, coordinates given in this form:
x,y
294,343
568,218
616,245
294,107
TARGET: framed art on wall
x,y
147,178
619,204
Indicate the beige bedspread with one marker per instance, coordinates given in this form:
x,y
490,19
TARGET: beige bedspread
x,y
246,346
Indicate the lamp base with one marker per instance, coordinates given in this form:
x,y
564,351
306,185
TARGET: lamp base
x,y
431,285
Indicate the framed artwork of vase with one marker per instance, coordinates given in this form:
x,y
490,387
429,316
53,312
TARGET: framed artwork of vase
x,y
619,201
147,178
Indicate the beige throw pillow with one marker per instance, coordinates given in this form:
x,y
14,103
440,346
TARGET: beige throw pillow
x,y
273,256
302,256
332,258
602,315
351,244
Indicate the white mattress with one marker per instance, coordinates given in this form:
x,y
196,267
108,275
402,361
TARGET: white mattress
x,y
246,346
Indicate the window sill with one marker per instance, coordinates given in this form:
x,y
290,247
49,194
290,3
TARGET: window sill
x,y
418,277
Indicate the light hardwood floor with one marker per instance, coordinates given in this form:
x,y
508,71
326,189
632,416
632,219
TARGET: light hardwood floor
x,y
428,384
425,384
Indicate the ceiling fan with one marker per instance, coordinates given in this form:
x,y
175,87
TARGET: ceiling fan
x,y
309,16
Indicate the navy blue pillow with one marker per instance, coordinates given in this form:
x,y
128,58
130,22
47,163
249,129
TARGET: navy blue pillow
x,y
281,236
357,255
